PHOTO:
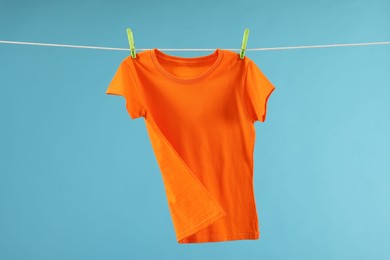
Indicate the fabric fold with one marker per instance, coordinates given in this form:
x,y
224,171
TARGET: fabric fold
x,y
191,205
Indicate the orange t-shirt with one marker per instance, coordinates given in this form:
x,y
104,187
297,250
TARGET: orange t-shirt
x,y
199,113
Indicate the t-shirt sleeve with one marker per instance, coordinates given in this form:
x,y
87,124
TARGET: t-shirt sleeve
x,y
124,84
257,91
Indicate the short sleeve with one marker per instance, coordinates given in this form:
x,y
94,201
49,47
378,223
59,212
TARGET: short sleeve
x,y
124,84
257,91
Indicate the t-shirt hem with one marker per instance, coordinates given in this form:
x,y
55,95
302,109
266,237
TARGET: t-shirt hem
x,y
202,225
222,238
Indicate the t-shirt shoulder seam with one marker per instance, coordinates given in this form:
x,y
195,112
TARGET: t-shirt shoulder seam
x,y
137,86
248,63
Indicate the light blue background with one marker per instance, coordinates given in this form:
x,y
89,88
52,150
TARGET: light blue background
x,y
79,179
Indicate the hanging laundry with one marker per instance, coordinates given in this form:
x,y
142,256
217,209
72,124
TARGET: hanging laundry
x,y
199,114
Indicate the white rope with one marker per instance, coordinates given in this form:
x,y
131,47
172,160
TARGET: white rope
x,y
249,49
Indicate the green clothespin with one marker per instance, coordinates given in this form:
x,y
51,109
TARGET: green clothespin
x,y
244,41
131,42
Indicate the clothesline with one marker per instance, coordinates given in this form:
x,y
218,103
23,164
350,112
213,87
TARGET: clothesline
x,y
163,49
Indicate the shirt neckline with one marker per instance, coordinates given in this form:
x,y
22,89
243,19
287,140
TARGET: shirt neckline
x,y
217,55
